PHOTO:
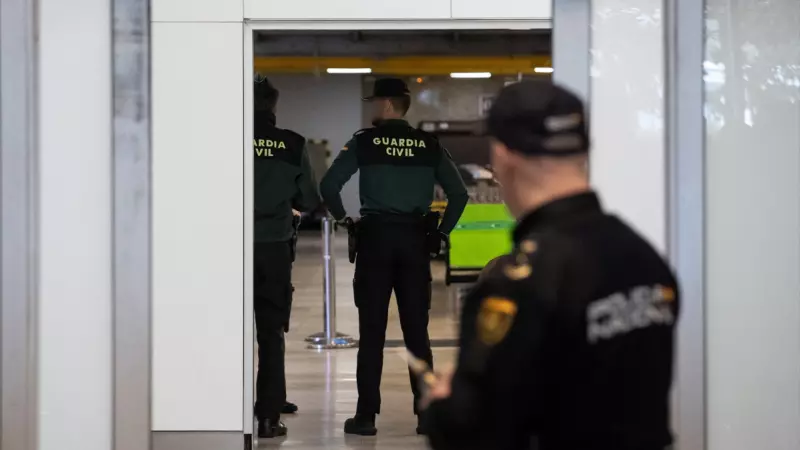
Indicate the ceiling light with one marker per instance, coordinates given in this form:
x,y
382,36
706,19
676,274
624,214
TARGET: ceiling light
x,y
471,75
339,70
543,69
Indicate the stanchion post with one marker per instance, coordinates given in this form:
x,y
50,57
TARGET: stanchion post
x,y
329,338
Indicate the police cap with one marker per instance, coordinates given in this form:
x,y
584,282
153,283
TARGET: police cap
x,y
388,88
539,118
265,94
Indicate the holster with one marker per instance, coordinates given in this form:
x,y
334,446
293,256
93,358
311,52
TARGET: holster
x,y
434,240
352,240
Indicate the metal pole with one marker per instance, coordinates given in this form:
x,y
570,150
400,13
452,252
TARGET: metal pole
x,y
328,284
329,338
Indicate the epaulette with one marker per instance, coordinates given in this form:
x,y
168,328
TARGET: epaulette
x,y
518,264
361,131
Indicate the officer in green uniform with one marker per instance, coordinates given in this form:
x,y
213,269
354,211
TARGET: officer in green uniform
x,y
283,180
399,167
571,336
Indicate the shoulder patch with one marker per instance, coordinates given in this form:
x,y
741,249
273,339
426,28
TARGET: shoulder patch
x,y
495,318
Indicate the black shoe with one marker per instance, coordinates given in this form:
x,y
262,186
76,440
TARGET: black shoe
x,y
421,426
271,428
361,424
289,408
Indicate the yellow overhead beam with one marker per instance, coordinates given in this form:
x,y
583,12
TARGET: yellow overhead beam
x,y
406,65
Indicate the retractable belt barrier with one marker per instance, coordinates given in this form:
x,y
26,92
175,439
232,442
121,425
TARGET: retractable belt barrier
x,y
329,338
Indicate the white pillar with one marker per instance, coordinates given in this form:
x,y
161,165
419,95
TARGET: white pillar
x,y
199,224
74,215
611,53
753,224
628,164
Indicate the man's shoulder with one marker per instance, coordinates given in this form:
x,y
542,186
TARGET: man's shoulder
x,y
361,136
509,276
364,132
295,137
430,138
507,292
532,269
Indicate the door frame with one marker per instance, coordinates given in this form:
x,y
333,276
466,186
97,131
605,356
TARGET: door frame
x,y
249,28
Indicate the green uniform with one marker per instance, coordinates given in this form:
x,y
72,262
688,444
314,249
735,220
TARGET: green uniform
x,y
283,180
399,167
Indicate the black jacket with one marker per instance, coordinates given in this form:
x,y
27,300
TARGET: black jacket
x,y
567,341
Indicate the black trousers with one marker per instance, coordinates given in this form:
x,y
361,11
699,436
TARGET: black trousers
x,y
272,296
391,256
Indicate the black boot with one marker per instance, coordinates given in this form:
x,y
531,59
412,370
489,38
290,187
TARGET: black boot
x,y
421,426
271,428
289,408
361,424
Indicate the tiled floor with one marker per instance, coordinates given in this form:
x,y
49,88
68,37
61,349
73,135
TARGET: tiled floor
x,y
323,384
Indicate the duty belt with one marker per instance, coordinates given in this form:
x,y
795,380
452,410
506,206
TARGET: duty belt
x,y
410,219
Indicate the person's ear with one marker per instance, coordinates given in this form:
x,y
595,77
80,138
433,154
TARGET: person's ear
x,y
500,154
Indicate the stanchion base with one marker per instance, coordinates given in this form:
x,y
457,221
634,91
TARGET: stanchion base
x,y
318,337
332,344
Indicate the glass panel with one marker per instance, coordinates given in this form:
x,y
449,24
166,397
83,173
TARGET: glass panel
x,y
627,112
752,83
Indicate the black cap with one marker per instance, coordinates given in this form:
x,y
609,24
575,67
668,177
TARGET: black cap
x,y
265,94
539,118
389,87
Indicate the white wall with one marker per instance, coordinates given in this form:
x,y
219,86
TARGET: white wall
x,y
198,237
347,9
628,164
753,225
325,107
502,9
196,11
74,165
409,9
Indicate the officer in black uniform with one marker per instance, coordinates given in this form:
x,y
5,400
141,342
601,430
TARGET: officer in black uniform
x,y
399,166
283,180
571,335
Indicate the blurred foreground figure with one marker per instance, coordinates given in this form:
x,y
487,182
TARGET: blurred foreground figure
x,y
566,343
283,187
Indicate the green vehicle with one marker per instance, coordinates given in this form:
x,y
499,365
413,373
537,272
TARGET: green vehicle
x,y
482,234
484,230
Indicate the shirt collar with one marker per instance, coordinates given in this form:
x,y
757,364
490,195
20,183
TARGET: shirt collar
x,y
556,211
393,122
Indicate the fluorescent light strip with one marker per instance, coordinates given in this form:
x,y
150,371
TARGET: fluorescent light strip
x,y
471,75
340,70
543,69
